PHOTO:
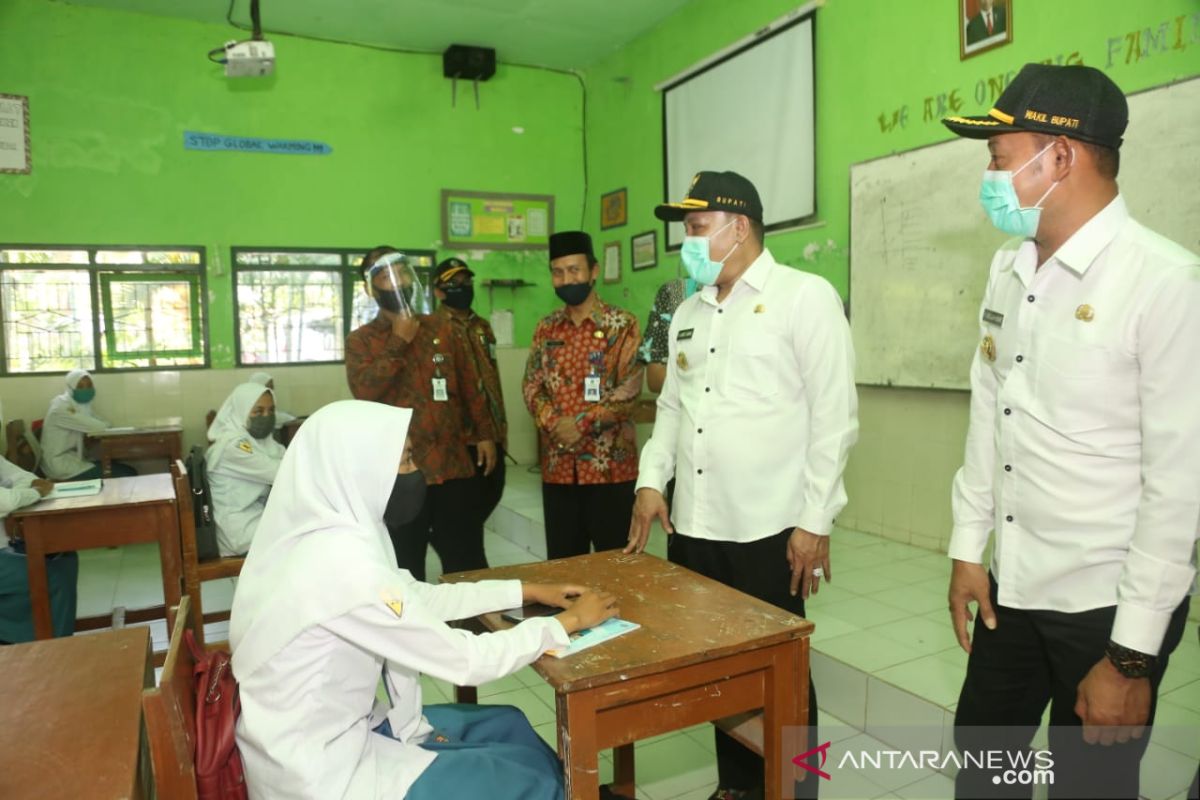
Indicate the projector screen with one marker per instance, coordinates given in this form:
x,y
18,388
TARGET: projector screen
x,y
751,111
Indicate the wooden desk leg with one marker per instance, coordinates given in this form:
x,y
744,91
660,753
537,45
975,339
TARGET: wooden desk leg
x,y
467,695
623,771
783,719
577,746
168,553
39,586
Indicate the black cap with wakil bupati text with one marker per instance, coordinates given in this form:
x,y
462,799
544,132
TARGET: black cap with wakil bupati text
x,y
1074,101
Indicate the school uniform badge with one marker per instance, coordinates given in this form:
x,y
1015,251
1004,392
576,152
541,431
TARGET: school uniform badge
x,y
1085,313
988,348
393,603
244,446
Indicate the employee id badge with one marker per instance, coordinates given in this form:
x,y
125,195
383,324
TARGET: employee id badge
x,y
591,389
439,390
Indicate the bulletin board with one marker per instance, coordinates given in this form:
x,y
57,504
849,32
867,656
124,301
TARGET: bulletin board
x,y
496,221
14,134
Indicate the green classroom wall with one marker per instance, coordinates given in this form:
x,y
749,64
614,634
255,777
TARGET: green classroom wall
x,y
886,73
111,94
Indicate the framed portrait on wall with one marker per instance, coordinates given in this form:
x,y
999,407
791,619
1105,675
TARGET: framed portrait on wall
x,y
612,262
614,209
983,25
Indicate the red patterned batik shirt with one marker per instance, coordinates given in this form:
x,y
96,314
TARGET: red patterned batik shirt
x,y
562,356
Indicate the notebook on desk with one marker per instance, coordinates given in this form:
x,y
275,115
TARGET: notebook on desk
x,y
590,637
75,489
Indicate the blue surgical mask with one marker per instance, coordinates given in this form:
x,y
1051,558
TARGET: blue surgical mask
x,y
999,199
695,256
83,395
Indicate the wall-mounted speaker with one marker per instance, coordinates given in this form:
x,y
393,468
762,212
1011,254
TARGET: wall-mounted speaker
x,y
469,63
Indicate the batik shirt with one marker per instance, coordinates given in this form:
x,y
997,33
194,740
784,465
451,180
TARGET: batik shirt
x,y
562,356
386,369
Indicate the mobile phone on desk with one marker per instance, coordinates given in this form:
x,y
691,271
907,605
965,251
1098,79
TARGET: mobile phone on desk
x,y
529,612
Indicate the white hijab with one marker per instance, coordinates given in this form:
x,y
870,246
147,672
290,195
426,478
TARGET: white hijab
x,y
321,548
73,379
229,426
260,377
67,401
75,376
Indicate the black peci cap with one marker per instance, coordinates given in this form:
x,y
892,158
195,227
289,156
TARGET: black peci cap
x,y
570,243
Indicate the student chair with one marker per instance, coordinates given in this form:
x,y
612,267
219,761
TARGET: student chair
x,y
170,715
195,570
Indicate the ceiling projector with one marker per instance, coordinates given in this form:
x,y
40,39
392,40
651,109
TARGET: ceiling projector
x,y
252,59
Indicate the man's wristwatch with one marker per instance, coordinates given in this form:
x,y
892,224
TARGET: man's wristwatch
x,y
1130,663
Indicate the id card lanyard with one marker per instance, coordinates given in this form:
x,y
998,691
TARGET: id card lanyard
x,y
440,395
591,383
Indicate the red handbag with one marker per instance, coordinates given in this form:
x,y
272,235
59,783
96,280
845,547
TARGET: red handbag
x,y
219,774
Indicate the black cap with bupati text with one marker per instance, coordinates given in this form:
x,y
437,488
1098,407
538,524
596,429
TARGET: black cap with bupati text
x,y
715,191
1074,101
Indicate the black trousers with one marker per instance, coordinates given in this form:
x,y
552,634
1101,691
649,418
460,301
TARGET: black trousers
x,y
582,516
759,569
1037,657
450,521
492,488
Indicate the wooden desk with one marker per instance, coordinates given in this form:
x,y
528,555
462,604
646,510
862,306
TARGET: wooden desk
x,y
71,720
127,510
157,442
704,651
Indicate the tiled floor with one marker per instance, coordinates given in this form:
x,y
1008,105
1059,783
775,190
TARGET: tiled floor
x,y
885,661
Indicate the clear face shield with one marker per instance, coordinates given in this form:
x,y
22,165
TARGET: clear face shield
x,y
396,287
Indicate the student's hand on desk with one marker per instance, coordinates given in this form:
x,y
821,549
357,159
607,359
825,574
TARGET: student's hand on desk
x,y
486,456
43,486
565,435
807,552
969,583
405,326
589,609
559,595
1113,708
649,506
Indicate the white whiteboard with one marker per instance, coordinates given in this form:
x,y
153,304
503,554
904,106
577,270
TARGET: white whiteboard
x,y
920,245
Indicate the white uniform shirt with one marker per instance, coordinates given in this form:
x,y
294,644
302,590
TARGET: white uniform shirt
x,y
16,491
240,484
1083,452
758,411
62,437
306,724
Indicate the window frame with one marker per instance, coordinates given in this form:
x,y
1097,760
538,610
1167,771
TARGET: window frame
x,y
108,278
351,283
95,296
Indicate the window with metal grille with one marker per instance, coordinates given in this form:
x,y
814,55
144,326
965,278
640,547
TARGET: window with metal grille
x,y
296,305
101,308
